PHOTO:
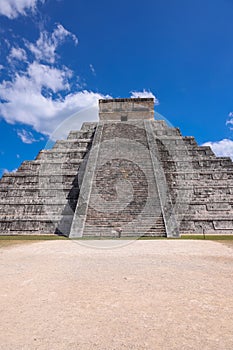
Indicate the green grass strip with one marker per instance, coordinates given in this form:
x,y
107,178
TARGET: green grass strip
x,y
31,238
55,237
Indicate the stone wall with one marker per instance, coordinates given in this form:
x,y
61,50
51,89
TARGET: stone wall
x,y
200,184
126,109
41,196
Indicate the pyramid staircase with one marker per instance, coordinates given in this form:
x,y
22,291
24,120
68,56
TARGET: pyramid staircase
x,y
127,175
120,193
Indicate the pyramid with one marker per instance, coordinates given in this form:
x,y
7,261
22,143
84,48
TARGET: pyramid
x,y
127,175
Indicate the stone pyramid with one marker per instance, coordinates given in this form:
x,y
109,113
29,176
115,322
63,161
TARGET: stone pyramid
x,y
126,175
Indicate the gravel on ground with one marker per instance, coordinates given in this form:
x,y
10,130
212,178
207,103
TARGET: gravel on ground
x,y
161,294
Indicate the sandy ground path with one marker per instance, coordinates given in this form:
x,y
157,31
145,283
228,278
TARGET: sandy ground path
x,y
158,294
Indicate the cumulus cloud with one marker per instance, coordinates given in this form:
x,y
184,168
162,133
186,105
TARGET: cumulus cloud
x,y
17,54
144,94
45,47
25,102
14,8
42,95
223,148
28,87
52,78
26,136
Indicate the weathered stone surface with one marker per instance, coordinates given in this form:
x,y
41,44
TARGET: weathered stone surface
x,y
42,195
127,175
124,109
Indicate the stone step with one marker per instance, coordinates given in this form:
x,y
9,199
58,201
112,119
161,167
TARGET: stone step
x,y
76,135
71,144
206,215
102,220
50,179
111,232
196,181
62,156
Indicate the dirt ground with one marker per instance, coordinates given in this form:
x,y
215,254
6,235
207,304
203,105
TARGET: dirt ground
x,y
160,294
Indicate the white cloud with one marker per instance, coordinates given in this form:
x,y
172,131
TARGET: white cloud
x,y
55,79
45,47
230,121
26,136
17,54
14,8
144,94
60,33
223,148
6,171
26,91
92,69
25,102
36,96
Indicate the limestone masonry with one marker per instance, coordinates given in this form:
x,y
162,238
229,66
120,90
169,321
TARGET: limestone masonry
x,y
126,175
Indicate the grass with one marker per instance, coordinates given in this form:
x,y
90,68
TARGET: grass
x,y
31,237
55,237
6,241
209,237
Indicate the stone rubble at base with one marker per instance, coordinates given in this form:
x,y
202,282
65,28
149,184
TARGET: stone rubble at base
x,y
126,176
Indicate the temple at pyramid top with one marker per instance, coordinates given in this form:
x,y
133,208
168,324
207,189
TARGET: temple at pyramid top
x,y
126,109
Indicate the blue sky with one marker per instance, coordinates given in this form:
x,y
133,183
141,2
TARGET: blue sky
x,y
57,57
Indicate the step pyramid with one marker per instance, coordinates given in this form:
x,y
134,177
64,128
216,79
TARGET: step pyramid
x,y
127,175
